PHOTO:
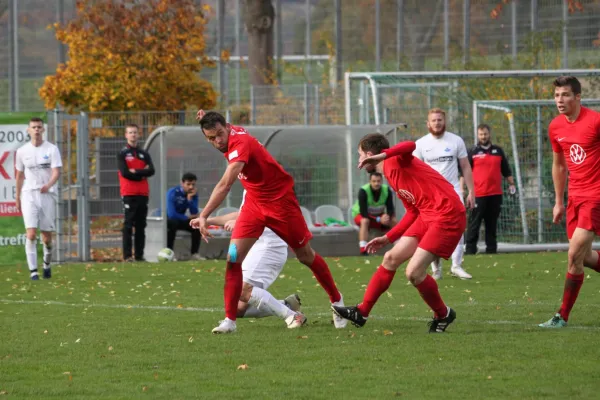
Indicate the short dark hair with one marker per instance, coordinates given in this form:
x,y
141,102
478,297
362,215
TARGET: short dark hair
x,y
36,119
377,174
571,81
132,125
374,142
188,176
484,126
211,119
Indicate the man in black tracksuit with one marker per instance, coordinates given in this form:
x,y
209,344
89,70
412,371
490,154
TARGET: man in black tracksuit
x,y
489,164
135,166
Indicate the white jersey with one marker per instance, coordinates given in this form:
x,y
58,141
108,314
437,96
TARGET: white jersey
x,y
37,163
268,237
442,154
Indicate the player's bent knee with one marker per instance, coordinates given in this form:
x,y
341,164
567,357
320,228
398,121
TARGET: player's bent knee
x,y
391,261
306,254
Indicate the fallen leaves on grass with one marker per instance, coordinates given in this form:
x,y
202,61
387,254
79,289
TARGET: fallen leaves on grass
x,y
110,348
144,388
387,332
302,337
191,339
243,366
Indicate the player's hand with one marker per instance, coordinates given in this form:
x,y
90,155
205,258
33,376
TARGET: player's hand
x,y
385,219
191,194
558,212
377,244
512,189
132,170
471,204
200,114
202,224
229,225
371,160
44,189
18,204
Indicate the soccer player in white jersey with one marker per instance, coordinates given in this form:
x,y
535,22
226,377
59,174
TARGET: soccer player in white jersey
x,y
444,151
260,268
38,166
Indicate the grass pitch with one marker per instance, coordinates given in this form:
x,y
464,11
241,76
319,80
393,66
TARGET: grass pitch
x,y
126,331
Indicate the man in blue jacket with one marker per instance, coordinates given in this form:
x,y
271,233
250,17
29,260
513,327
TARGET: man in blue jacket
x,y
180,199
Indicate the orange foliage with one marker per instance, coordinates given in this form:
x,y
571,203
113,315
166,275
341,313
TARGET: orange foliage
x,y
131,55
574,5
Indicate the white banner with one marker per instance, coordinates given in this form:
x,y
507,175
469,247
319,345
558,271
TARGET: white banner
x,y
11,138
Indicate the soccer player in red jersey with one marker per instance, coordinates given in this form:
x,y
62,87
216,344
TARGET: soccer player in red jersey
x,y
575,139
270,202
434,222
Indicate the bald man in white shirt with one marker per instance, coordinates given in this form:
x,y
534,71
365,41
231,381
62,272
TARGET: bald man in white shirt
x,y
444,151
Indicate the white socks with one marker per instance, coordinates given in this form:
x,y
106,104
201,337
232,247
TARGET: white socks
x,y
262,304
362,243
47,255
31,253
457,255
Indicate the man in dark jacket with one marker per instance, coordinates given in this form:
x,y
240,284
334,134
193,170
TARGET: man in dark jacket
x,y
135,167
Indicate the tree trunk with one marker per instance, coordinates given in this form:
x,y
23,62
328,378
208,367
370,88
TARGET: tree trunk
x,y
259,17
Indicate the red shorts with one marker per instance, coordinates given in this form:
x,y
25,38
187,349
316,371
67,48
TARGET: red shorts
x,y
282,216
583,213
439,238
372,224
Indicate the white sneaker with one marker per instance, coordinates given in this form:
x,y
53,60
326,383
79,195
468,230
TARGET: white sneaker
x,y
295,320
436,269
459,272
292,302
225,326
339,322
197,257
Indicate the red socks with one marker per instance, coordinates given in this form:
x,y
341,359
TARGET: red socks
x,y
321,271
428,289
572,285
233,289
379,283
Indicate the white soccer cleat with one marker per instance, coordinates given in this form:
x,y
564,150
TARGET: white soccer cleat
x,y
225,326
295,320
436,269
459,272
339,322
292,302
197,257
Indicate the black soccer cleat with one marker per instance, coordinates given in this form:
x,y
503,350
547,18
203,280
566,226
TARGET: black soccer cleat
x,y
440,325
47,272
352,314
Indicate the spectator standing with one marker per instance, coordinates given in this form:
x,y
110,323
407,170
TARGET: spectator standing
x,y
489,164
135,167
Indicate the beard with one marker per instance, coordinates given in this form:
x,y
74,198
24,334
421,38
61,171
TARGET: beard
x,y
484,143
438,132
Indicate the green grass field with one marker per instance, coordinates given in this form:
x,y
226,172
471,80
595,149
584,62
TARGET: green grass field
x,y
124,331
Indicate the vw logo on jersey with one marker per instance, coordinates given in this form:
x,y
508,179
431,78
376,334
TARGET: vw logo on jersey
x,y
447,149
577,154
406,195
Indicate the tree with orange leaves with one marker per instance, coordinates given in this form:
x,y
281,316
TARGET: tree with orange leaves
x,y
131,55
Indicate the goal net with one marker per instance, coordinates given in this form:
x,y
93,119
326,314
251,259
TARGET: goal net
x,y
518,107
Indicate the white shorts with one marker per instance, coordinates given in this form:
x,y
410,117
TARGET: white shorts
x,y
263,264
39,210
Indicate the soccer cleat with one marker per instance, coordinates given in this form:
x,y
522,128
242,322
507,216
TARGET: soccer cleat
x,y
439,325
225,326
338,321
459,272
555,322
47,272
197,257
292,302
351,314
295,320
35,277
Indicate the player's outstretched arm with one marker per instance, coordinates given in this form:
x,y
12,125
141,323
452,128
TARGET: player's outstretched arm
x,y
400,149
223,219
559,177
398,230
222,189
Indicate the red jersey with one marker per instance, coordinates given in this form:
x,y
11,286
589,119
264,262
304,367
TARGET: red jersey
x,y
262,177
422,189
580,143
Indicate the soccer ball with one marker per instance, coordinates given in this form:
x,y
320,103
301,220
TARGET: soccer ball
x,y
166,255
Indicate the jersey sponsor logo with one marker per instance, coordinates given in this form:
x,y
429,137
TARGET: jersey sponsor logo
x,y
406,195
129,157
447,149
443,159
233,155
46,157
577,154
